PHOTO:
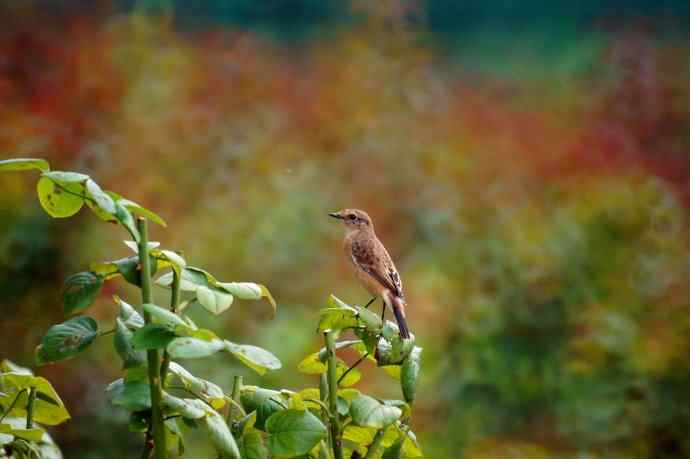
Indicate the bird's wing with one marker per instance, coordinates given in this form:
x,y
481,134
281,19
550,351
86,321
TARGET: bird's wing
x,y
372,257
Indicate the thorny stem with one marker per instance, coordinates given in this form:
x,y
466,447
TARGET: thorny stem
x,y
333,395
354,365
157,427
174,303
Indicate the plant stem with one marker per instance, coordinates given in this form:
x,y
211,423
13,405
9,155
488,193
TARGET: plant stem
x,y
371,452
152,356
333,395
174,303
323,395
30,408
237,388
236,391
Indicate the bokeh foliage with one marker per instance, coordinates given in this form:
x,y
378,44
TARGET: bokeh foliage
x,y
535,203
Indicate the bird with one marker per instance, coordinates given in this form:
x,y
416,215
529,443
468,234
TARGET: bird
x,y
373,265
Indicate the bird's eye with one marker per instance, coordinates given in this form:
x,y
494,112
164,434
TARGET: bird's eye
x,y
352,216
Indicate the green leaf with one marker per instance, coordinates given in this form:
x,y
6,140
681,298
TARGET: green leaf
x,y
164,316
246,423
395,451
80,291
174,439
189,408
293,432
335,302
214,300
62,177
103,201
369,412
220,436
194,348
152,336
67,339
249,291
22,164
351,378
142,211
360,435
131,318
45,412
134,395
264,401
130,268
134,247
60,200
16,426
411,447
124,216
404,407
256,358
175,260
409,374
208,390
122,340
337,319
8,366
252,446
371,320
312,365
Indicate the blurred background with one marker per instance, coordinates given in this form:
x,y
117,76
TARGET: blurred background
x,y
526,163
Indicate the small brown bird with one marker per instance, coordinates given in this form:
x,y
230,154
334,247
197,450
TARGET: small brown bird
x,y
373,266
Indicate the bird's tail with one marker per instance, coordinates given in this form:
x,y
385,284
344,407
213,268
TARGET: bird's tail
x,y
399,311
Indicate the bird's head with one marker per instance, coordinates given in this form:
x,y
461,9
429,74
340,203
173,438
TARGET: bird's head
x,y
353,219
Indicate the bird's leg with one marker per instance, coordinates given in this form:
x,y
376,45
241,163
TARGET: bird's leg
x,y
369,303
383,310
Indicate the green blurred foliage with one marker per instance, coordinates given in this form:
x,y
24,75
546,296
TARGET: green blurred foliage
x,y
535,204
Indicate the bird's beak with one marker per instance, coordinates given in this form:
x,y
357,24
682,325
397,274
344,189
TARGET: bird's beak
x,y
336,215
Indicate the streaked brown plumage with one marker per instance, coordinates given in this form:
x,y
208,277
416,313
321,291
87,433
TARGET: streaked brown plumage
x,y
373,265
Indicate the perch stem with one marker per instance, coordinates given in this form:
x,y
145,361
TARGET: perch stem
x,y
157,427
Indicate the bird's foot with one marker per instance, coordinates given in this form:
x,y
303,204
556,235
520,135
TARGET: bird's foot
x,y
369,303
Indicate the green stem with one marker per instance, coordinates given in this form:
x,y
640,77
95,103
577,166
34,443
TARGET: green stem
x,y
174,303
30,408
152,356
235,402
373,448
323,395
236,388
333,395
